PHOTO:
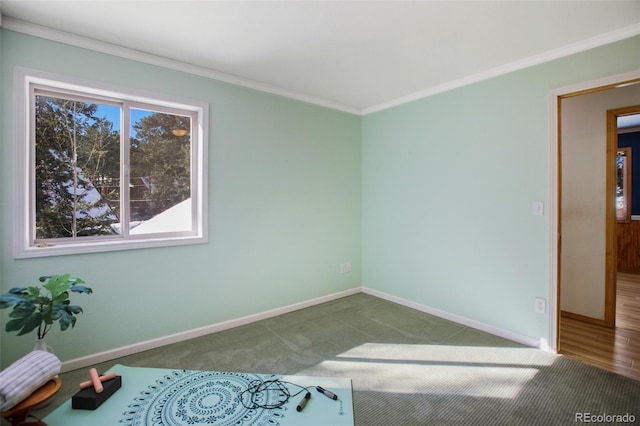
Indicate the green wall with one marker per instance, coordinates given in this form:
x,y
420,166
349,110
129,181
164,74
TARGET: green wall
x,y
448,189
284,212
431,201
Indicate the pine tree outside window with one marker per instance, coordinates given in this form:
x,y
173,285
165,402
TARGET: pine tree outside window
x,y
106,169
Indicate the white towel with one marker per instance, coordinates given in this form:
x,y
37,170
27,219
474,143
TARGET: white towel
x,y
24,376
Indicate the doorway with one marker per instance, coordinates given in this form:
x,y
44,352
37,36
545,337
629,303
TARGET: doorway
x,y
584,225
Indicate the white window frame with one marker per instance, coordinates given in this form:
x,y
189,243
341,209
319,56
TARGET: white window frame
x,y
25,245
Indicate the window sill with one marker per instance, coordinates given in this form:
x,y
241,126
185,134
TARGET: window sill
x,y
105,246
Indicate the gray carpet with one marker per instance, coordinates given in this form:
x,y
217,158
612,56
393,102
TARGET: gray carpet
x,y
407,367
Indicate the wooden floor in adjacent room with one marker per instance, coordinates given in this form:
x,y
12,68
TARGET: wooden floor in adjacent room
x,y
616,350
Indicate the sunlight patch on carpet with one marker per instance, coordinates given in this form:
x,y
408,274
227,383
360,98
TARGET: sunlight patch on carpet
x,y
450,354
437,369
477,381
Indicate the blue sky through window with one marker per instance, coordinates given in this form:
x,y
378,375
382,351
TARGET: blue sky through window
x,y
112,113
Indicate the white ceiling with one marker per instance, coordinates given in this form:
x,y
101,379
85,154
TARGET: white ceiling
x,y
358,56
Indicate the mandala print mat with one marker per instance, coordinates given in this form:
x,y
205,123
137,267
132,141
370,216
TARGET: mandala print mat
x,y
162,397
200,397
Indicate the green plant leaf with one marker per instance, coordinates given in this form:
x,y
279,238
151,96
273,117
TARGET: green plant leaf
x,y
81,289
33,307
14,324
60,298
73,309
13,297
31,323
22,309
65,319
57,285
41,300
76,281
56,311
33,292
26,323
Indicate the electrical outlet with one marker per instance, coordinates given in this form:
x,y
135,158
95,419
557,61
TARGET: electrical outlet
x,y
541,305
345,267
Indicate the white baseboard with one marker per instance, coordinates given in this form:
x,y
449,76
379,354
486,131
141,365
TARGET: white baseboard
x,y
197,332
519,338
225,325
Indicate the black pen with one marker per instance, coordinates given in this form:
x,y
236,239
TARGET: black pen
x,y
329,394
303,402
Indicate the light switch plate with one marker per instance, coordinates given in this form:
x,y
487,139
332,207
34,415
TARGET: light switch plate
x,y
538,208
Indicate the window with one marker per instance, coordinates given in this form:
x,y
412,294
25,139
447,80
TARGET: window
x,y
623,184
106,169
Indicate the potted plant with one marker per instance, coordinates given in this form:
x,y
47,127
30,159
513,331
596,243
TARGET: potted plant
x,y
39,307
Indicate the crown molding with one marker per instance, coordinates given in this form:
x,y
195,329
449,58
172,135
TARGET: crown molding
x,y
128,53
148,58
593,42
